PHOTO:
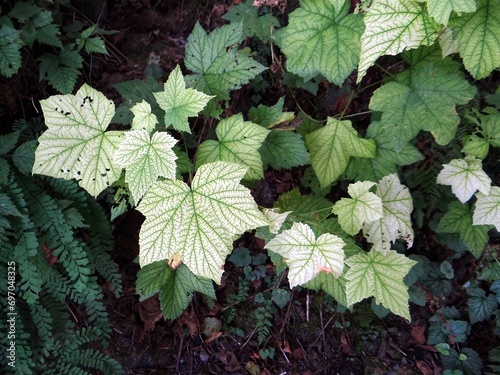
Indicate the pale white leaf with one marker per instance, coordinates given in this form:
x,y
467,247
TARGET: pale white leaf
x,y
143,118
487,209
275,218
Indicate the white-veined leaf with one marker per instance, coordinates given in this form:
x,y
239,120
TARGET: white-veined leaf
x,y
305,255
198,224
487,209
143,117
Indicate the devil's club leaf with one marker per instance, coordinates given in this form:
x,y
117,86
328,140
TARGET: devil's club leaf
x,y
458,219
362,207
305,255
424,98
393,26
332,146
321,39
180,103
215,60
488,208
477,35
75,144
238,142
465,176
146,158
175,287
379,275
396,221
198,224
440,10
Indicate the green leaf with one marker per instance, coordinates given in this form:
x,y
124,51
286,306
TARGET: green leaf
x,y
362,207
476,146
386,160
268,116
487,209
197,224
465,176
440,10
49,34
458,219
322,39
424,98
175,287
238,142
10,51
284,149
63,78
393,26
95,45
8,142
75,145
477,35
396,220
146,158
332,146
466,362
379,275
490,128
7,207
253,25
307,256
22,10
480,305
332,285
143,118
216,62
24,157
180,103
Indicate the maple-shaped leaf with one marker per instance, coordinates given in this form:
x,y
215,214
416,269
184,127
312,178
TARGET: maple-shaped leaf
x,y
305,255
322,39
216,62
143,117
396,220
386,160
458,219
238,142
275,218
379,275
332,146
180,103
477,35
393,26
465,176
198,223
423,98
440,10
175,287
75,145
146,158
487,209
363,207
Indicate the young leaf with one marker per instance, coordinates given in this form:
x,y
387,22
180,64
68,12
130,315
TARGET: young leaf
x,y
198,223
175,287
238,142
307,256
395,221
424,98
322,39
391,27
362,207
477,35
465,176
487,209
458,219
275,219
379,275
143,118
75,145
440,10
332,146
180,103
146,158
215,60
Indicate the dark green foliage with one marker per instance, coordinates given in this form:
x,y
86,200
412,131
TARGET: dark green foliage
x,y
59,239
